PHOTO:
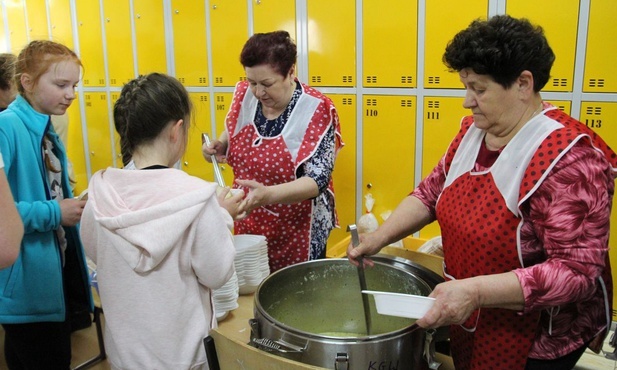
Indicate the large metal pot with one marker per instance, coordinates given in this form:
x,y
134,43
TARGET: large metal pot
x,y
312,312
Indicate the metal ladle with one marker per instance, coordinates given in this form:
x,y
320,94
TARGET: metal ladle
x,y
218,176
355,241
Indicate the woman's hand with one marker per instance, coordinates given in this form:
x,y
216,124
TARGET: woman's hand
x,y
455,301
71,210
258,194
233,202
369,245
217,148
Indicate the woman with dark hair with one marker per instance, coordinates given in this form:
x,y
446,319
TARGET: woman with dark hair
x,y
281,138
523,197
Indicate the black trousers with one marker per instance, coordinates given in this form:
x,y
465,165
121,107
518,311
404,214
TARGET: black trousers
x,y
566,362
38,346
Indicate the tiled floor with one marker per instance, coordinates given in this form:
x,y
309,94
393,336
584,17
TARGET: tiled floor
x,y
598,361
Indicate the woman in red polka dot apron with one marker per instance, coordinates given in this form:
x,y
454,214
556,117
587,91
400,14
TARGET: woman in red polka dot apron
x,y
281,139
523,199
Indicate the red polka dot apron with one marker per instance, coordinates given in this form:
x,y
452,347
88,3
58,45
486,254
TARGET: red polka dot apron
x,y
479,216
272,161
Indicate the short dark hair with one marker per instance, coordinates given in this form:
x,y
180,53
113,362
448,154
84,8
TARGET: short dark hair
x,y
145,107
273,48
7,70
502,47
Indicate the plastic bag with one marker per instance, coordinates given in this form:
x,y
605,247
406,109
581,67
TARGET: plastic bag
x,y
368,222
432,246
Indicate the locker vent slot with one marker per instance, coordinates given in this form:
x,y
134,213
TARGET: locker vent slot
x,y
112,81
371,79
115,96
406,79
203,97
406,103
561,108
560,82
181,79
220,99
242,78
86,81
103,97
596,82
347,101
218,80
371,102
594,111
202,80
433,80
433,104
102,81
316,79
347,79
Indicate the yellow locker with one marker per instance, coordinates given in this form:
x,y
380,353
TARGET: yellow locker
x,y
600,74
190,53
331,43
59,18
344,174
602,118
117,153
4,48
388,174
37,20
390,35
222,102
229,27
560,31
563,105
442,118
150,35
75,147
16,15
273,15
120,59
444,19
91,42
193,161
99,134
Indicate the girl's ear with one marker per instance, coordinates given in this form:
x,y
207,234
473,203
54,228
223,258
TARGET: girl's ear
x,y
177,130
27,82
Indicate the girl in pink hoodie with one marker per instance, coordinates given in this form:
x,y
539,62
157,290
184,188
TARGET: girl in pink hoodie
x,y
160,239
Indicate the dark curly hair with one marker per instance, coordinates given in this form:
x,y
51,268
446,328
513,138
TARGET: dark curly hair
x,y
273,48
502,47
145,107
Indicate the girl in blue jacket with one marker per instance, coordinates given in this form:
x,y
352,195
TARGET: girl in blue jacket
x,y
44,294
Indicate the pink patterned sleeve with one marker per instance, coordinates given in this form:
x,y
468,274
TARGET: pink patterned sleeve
x,y
429,189
564,238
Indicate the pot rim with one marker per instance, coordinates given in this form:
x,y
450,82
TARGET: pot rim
x,y
382,259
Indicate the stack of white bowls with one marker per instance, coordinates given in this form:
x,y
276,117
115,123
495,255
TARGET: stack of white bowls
x,y
226,298
251,261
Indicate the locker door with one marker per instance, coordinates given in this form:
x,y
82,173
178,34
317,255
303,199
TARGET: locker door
x,y
150,35
444,19
600,74
16,15
390,43
91,42
190,53
229,27
331,42
388,174
59,16
222,102
274,15
193,161
75,147
99,134
602,118
563,105
4,48
120,59
442,118
37,20
344,175
560,32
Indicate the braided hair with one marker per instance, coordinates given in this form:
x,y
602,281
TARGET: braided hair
x,y
146,105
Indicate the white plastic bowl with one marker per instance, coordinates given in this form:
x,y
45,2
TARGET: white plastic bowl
x,y
403,305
